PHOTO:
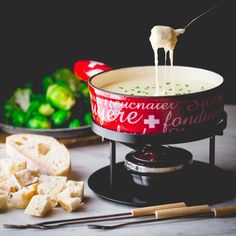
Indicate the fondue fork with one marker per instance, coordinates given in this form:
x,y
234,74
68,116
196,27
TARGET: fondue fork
x,y
136,212
164,214
205,12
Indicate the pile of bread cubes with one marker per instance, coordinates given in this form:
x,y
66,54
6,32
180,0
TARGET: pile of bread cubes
x,y
33,176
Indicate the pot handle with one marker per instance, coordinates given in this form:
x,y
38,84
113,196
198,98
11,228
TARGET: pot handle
x,y
85,69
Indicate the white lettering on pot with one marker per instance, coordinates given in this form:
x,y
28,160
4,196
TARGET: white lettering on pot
x,y
174,115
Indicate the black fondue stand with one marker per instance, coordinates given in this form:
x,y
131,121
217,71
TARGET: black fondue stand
x,y
196,183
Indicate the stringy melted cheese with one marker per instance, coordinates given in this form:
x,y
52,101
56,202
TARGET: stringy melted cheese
x,y
163,37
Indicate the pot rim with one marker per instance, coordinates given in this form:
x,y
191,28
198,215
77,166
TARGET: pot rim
x,y
160,97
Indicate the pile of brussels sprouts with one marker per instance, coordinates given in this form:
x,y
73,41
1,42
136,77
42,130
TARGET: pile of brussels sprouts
x,y
62,103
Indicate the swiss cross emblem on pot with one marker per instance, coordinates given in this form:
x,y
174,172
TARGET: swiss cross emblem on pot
x,y
151,121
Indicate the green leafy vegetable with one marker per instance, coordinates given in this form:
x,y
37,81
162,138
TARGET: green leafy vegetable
x,y
37,97
88,118
52,106
46,109
32,110
38,122
60,117
83,90
60,97
75,123
8,109
18,117
67,77
47,81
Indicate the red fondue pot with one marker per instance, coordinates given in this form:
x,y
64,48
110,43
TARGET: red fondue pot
x,y
156,114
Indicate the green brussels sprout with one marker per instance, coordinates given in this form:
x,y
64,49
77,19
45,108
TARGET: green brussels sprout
x,y
38,122
62,83
75,123
47,81
88,118
60,97
46,109
83,89
18,117
60,117
8,109
32,109
66,76
37,97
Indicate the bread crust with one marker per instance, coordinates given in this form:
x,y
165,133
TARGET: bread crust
x,y
42,152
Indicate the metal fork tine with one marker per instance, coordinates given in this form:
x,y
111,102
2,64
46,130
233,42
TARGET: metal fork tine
x,y
58,223
93,226
82,219
10,226
27,226
63,223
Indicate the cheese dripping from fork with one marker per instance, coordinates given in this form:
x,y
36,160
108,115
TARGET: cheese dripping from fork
x,y
163,37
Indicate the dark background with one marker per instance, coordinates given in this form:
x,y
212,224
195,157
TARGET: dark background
x,y
38,37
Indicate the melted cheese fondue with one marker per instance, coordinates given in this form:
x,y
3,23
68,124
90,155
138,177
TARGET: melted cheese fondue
x,y
147,87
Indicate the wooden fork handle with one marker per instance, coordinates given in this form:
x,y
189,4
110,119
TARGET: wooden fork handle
x,y
224,211
180,212
144,211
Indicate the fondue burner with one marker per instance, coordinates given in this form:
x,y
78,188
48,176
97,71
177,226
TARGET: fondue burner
x,y
150,163
156,173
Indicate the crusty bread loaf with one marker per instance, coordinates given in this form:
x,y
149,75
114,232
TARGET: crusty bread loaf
x,y
72,196
3,200
24,178
22,197
43,152
39,205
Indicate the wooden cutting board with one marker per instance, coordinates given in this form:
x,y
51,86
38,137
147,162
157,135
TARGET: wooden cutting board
x,y
69,142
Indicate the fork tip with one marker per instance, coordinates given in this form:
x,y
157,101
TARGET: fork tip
x,y
93,226
10,226
96,227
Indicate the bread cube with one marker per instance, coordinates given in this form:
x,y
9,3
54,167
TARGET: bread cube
x,y
72,196
9,166
3,200
69,203
39,205
51,185
22,197
24,178
7,186
75,188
